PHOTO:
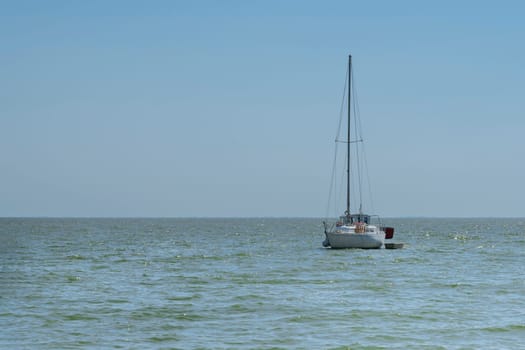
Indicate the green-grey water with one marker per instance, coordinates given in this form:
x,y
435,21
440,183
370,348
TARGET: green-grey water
x,y
259,284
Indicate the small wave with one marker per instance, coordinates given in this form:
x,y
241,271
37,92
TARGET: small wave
x,y
183,297
118,301
240,308
75,257
302,319
100,267
72,279
189,317
410,260
166,313
508,328
160,339
452,285
79,317
250,297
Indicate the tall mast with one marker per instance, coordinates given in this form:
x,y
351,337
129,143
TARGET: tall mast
x,y
348,137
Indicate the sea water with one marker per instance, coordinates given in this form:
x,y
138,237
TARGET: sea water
x,y
259,284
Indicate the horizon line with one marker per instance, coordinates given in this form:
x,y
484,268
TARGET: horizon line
x,y
252,217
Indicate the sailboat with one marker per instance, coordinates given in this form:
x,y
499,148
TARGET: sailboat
x,y
354,230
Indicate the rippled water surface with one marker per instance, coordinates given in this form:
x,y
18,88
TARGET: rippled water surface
x,y
259,283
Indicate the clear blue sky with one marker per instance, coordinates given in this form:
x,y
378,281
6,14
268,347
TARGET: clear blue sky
x,y
229,108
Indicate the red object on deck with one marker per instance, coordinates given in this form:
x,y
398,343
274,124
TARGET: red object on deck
x,y
389,232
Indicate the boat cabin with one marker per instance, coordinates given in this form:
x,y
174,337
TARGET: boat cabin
x,y
354,218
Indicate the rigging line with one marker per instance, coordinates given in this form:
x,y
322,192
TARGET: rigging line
x,y
340,194
365,159
334,165
332,181
341,110
339,185
372,206
335,183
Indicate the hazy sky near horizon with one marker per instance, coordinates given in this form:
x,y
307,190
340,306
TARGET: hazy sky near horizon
x,y
230,108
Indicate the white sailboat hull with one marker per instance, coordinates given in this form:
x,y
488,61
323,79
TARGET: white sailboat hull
x,y
343,240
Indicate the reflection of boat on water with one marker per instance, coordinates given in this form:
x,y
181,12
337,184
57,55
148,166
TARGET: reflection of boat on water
x,y
354,230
